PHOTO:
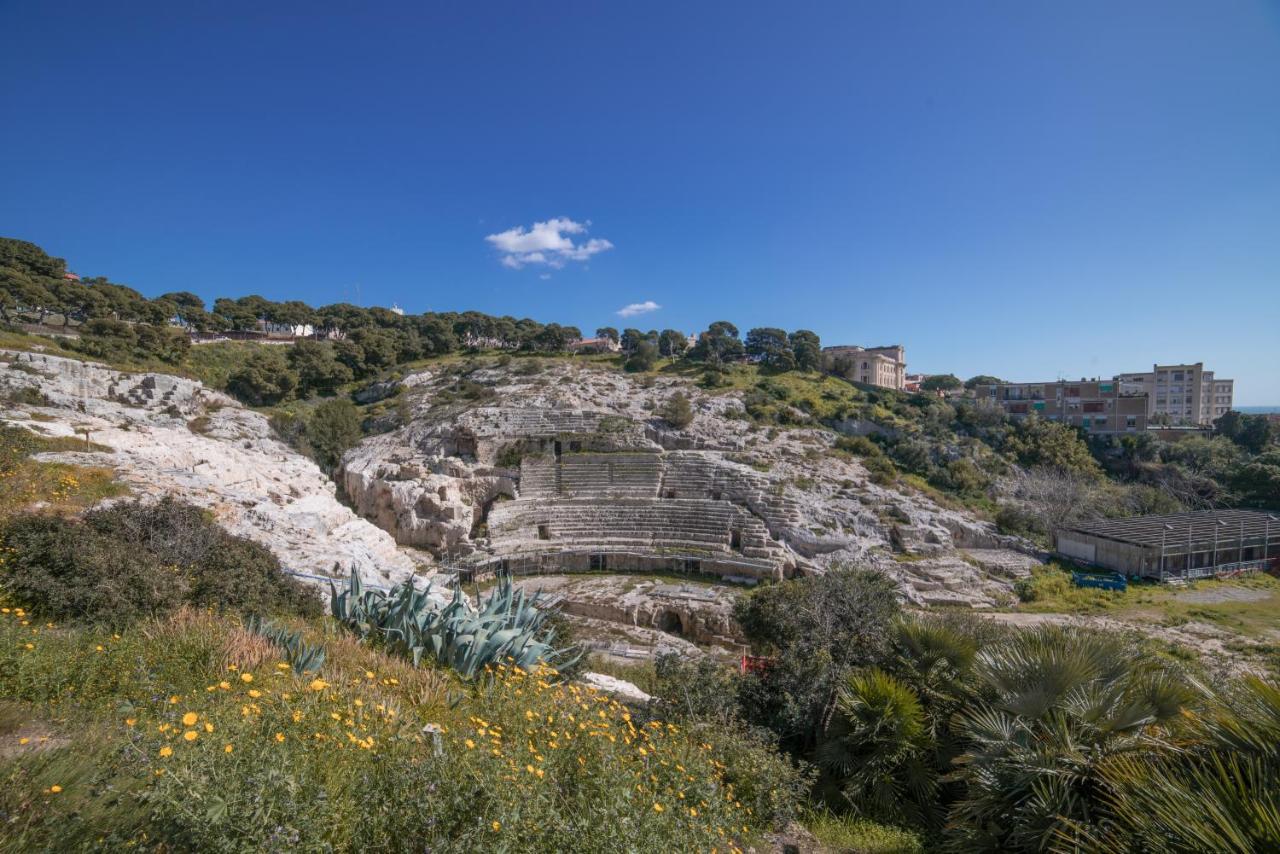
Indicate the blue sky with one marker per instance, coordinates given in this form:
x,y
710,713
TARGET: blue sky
x,y
1024,189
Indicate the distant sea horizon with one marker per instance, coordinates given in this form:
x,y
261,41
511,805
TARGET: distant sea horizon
x,y
1258,410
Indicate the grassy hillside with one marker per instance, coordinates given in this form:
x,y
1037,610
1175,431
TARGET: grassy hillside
x,y
192,733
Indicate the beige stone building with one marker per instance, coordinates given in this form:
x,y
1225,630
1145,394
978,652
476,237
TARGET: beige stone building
x,y
1181,394
885,367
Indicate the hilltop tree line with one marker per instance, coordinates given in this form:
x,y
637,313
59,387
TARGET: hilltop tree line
x,y
117,321
773,349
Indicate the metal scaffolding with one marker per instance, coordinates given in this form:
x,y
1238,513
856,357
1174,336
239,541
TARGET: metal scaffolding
x,y
1193,545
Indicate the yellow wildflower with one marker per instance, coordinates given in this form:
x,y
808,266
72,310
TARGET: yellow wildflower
x,y
55,789
190,735
279,736
190,718
227,748
318,685
166,751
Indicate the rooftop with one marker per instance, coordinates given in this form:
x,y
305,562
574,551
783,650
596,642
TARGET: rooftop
x,y
1178,527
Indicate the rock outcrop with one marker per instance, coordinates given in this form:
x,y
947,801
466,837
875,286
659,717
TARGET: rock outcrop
x,y
173,436
571,471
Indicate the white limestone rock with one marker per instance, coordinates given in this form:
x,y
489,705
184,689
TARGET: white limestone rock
x,y
172,436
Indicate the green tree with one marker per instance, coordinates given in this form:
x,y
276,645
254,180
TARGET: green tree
x,y
718,344
672,343
941,382
982,379
264,379
1257,482
816,630
332,430
878,748
1037,442
676,411
643,357
608,333
318,369
771,347
806,348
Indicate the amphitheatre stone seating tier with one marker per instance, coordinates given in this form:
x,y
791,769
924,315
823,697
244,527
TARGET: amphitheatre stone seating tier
x,y
538,473
530,423
486,432
602,558
701,474
685,525
621,474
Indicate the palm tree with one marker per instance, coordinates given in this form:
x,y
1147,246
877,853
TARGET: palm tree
x,y
1222,795
1061,703
891,737
877,748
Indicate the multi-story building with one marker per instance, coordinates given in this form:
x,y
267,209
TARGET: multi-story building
x,y
885,367
1175,395
1181,394
1098,406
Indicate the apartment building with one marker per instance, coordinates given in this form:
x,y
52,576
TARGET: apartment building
x,y
885,367
1181,394
1097,406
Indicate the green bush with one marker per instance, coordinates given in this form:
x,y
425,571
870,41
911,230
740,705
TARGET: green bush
x,y
264,379
881,470
848,835
676,411
1018,521
859,446
334,428
135,560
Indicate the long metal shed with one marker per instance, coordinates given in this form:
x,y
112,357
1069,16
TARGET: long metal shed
x,y
1178,545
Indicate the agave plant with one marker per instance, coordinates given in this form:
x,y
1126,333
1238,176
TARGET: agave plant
x,y
304,657
506,628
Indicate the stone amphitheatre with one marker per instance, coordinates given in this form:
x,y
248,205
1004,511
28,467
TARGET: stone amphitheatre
x,y
561,473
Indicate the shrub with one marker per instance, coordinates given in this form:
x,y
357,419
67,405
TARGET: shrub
x,y
676,411
849,835
264,379
135,560
859,446
643,358
818,629
1011,519
332,429
881,470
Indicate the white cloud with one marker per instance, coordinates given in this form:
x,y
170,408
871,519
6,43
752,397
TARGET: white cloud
x,y
546,243
638,308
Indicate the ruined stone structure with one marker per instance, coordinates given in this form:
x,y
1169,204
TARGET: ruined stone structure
x,y
536,490
567,469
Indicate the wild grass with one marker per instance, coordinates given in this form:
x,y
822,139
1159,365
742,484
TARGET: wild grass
x,y
168,742
844,834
